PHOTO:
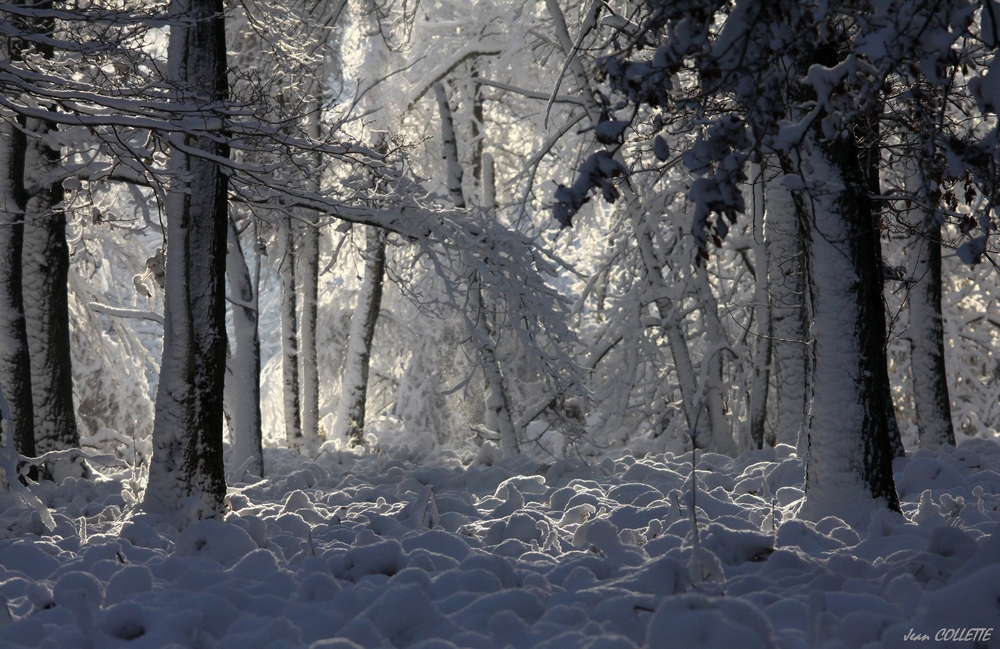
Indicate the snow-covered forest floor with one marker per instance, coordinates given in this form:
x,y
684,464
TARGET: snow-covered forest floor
x,y
444,553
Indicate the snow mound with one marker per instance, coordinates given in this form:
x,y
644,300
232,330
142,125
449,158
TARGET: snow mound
x,y
355,550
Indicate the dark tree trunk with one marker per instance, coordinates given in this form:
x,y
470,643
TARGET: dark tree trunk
x,y
865,250
186,473
15,367
850,452
45,267
762,343
926,334
869,158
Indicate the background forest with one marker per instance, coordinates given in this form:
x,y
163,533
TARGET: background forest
x,y
509,228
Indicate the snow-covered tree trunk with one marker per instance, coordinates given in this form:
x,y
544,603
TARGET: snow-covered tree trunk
x,y
716,346
290,340
762,341
849,463
788,286
449,149
186,471
354,390
309,266
15,368
926,335
687,379
498,415
242,394
45,265
308,260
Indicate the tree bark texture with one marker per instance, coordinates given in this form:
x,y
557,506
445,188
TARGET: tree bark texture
x,y
926,335
15,367
186,473
762,343
354,391
308,259
309,266
849,466
497,401
243,371
45,265
290,340
716,346
787,280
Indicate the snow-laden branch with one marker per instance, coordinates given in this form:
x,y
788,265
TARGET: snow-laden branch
x,y
446,68
125,313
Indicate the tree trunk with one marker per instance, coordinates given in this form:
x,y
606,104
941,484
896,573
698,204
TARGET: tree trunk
x,y
498,415
243,371
354,390
290,341
497,403
15,367
309,364
870,158
849,467
308,259
762,342
716,345
926,335
45,266
186,472
787,280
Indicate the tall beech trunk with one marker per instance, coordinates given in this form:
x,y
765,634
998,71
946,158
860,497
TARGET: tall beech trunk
x,y
354,390
290,340
926,335
45,267
870,159
653,276
717,345
186,472
762,343
308,259
243,372
46,306
15,367
926,329
788,288
849,467
497,402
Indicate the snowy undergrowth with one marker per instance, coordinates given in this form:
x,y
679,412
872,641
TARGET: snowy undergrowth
x,y
380,552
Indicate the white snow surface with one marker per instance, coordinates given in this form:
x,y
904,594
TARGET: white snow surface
x,y
376,551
